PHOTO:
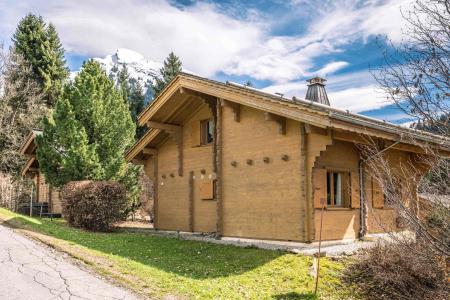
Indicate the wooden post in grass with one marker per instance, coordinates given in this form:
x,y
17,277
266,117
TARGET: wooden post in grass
x,y
322,203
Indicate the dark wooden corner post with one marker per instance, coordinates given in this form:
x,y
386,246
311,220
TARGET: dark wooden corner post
x,y
218,166
176,132
304,187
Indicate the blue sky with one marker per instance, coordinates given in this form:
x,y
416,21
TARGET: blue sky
x,y
276,45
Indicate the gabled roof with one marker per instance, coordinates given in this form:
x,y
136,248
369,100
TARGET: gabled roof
x,y
302,110
28,147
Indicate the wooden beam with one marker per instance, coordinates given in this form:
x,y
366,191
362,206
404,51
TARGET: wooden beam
x,y
218,167
316,130
149,151
155,191
163,126
306,229
281,121
179,140
236,107
191,201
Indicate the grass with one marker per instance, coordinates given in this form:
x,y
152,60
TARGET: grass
x,y
157,266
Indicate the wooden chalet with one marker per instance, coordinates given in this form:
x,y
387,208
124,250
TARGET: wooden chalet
x,y
45,194
238,162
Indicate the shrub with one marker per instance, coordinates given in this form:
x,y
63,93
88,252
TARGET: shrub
x,y
398,270
94,205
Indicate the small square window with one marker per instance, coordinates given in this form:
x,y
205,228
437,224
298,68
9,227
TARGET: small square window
x,y
206,132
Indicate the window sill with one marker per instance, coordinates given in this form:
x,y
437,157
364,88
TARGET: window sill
x,y
201,146
338,208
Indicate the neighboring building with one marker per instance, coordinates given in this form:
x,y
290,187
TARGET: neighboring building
x,y
45,195
238,162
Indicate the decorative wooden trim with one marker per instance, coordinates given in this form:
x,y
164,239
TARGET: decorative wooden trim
x,y
306,228
218,167
236,107
281,121
191,202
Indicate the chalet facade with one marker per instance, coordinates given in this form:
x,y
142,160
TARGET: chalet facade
x,y
238,162
44,193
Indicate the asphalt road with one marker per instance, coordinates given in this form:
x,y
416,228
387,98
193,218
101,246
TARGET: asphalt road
x,y
29,270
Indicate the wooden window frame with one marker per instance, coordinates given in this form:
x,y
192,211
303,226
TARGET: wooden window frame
x,y
204,127
345,199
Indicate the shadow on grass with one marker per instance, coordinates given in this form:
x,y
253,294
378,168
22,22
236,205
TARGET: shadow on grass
x,y
193,259
295,296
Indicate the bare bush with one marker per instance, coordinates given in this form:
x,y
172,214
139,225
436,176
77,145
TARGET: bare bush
x,y
94,205
392,271
415,77
21,109
14,192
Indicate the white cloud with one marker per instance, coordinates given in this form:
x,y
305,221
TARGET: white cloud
x,y
332,68
207,39
336,24
355,92
357,99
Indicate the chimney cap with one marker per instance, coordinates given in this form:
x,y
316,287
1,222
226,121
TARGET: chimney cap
x,y
316,91
316,80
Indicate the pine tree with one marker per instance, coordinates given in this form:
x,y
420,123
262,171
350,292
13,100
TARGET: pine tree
x,y
40,46
123,81
137,103
88,133
171,68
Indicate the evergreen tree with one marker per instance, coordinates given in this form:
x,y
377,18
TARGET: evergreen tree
x,y
40,46
171,68
88,133
137,103
123,81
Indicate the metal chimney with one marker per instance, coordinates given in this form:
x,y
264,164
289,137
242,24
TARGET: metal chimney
x,y
316,91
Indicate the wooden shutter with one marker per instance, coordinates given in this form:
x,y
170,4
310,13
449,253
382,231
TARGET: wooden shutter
x,y
377,195
320,186
355,190
195,133
207,189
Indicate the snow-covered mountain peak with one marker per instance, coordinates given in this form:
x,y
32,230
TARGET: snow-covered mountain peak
x,y
139,68
126,56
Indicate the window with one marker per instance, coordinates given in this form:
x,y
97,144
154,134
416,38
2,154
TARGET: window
x,y
338,189
206,132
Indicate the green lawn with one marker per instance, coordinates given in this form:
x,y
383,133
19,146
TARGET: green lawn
x,y
157,266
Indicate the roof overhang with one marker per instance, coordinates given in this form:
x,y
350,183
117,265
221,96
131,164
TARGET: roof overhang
x,y
305,111
28,167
